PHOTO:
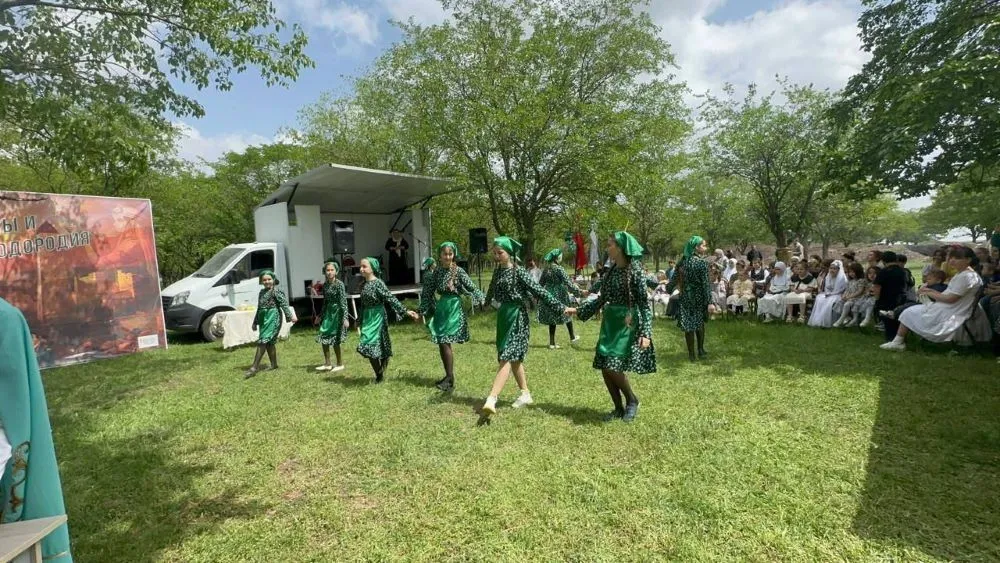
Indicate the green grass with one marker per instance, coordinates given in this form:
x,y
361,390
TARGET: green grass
x,y
789,444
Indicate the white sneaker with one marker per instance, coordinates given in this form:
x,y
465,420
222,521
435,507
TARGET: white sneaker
x,y
896,346
869,321
324,368
553,346
575,339
523,400
490,407
337,368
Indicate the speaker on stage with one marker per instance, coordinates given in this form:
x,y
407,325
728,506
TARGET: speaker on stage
x,y
477,241
342,233
354,284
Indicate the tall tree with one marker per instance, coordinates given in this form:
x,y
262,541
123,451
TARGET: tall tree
x,y
956,207
838,218
533,104
926,107
78,77
779,149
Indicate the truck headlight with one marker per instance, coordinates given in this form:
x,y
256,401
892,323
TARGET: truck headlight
x,y
180,299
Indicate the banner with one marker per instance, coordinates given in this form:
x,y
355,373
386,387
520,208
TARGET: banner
x,y
83,272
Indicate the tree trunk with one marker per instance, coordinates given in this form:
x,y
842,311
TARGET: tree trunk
x,y
826,249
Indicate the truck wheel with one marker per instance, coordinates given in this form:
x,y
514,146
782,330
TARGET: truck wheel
x,y
207,332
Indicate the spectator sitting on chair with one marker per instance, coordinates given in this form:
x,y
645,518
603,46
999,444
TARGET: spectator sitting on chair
x,y
857,289
941,320
803,288
876,259
758,275
771,306
849,258
719,290
660,294
890,291
911,284
834,286
743,293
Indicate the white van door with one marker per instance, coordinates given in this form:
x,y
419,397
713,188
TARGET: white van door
x,y
245,274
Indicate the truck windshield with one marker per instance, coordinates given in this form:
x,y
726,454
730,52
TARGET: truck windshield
x,y
217,263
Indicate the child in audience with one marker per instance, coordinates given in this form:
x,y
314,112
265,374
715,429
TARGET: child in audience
x,y
937,263
857,289
743,293
660,294
771,305
911,284
718,302
759,275
802,289
865,309
934,279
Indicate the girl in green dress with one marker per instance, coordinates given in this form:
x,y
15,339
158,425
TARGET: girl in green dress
x,y
695,294
447,322
511,286
333,320
272,309
557,283
626,340
375,296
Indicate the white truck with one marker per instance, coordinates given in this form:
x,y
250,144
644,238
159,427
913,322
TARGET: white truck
x,y
330,211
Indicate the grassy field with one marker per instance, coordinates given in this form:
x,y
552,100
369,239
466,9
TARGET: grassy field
x,y
789,444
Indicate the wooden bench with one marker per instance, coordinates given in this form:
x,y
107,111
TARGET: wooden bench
x,y
21,542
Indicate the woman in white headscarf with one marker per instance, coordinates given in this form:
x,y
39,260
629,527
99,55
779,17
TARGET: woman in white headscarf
x,y
772,305
833,290
729,271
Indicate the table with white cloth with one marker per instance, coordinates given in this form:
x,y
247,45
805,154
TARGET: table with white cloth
x,y
236,328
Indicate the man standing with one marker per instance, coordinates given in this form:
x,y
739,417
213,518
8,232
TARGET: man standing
x,y
754,255
397,246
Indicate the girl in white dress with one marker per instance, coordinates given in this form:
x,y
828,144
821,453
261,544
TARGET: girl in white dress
x,y
941,320
833,290
772,305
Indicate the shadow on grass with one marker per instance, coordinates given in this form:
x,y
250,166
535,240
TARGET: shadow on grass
x,y
130,499
934,468
346,381
935,442
581,416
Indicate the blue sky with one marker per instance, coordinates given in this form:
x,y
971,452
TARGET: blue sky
x,y
714,41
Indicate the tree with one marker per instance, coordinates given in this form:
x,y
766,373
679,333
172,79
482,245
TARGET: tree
x,y
88,82
846,220
903,226
955,207
533,105
779,150
719,208
925,107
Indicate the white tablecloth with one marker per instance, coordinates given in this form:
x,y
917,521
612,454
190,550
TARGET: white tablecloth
x,y
236,331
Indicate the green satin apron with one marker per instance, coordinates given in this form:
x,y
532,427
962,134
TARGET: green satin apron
x,y
616,336
447,319
506,317
371,324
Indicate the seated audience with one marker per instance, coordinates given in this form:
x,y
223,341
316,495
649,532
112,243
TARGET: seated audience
x,y
660,295
772,305
941,320
834,286
857,290
759,275
742,294
802,289
890,291
719,292
937,263
911,284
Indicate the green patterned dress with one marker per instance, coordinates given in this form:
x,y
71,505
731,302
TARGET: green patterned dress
x,y
271,304
511,287
374,342
332,331
448,324
556,281
626,318
696,294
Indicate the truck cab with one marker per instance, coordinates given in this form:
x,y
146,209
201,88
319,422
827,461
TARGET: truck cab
x,y
226,282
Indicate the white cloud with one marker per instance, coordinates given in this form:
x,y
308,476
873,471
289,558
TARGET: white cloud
x,y
808,41
424,12
346,22
193,146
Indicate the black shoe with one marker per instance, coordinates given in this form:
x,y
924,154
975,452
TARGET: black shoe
x,y
631,411
379,378
614,415
250,373
702,354
446,385
692,357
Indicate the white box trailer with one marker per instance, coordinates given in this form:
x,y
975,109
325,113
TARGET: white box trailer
x,y
294,231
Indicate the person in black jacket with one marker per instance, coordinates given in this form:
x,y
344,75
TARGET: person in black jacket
x,y
890,291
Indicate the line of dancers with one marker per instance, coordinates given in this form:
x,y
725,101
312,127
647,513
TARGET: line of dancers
x,y
625,343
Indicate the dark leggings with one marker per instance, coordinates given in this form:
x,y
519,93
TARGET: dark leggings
x,y
272,355
618,385
552,333
448,361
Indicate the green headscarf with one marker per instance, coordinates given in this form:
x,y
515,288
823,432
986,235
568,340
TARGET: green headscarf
x,y
428,262
448,244
553,255
376,267
30,487
509,245
261,275
689,248
336,266
629,245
